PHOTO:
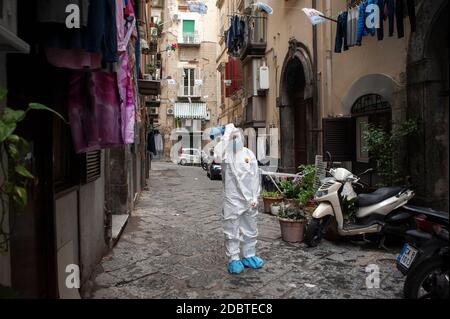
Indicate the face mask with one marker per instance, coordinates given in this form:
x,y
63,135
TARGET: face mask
x,y
236,145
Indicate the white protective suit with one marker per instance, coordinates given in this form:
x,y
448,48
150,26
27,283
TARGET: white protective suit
x,y
241,179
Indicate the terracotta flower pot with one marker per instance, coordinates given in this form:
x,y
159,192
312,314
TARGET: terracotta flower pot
x,y
268,203
292,231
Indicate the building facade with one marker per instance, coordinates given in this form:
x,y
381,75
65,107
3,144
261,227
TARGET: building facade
x,y
321,101
77,200
189,77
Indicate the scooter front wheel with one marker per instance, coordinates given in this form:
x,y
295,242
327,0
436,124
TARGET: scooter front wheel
x,y
315,231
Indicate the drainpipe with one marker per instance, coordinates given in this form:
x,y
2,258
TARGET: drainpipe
x,y
327,107
314,138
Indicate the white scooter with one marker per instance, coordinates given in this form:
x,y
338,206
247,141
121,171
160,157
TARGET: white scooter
x,y
377,213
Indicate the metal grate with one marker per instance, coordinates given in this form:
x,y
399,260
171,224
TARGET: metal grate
x,y
92,166
370,104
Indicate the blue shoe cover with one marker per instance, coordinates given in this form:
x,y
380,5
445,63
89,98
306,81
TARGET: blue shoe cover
x,y
235,267
253,262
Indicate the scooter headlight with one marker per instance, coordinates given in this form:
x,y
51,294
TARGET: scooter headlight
x,y
321,193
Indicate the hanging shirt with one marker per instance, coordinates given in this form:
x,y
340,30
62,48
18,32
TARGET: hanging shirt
x,y
341,33
349,28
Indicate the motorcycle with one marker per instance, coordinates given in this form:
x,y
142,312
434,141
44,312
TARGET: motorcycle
x,y
424,258
376,213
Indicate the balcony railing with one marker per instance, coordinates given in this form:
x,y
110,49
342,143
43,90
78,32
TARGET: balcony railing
x,y
255,43
190,91
190,38
149,87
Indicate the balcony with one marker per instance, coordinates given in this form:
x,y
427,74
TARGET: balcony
x,y
255,43
190,91
190,39
149,87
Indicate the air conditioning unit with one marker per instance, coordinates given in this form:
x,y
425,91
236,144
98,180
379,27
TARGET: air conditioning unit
x,y
170,111
263,78
227,83
208,116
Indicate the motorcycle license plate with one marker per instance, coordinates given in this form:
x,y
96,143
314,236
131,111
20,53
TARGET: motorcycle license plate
x,y
407,256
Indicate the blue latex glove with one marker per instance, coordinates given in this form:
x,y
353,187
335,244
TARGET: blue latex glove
x,y
253,262
235,267
215,131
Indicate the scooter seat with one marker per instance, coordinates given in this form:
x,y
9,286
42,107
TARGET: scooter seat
x,y
365,200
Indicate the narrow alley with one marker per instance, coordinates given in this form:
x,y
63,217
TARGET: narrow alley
x,y
173,247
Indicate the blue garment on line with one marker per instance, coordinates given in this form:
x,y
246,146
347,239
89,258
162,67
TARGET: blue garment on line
x,y
362,29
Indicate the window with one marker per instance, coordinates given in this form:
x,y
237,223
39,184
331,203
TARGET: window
x,y
189,34
371,109
190,82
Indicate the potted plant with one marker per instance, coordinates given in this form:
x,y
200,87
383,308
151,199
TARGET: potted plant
x,y
306,195
292,223
151,69
270,198
291,189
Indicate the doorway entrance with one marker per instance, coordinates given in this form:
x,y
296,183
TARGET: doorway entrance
x,y
297,115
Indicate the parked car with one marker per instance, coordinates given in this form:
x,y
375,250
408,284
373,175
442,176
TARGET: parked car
x,y
214,171
190,156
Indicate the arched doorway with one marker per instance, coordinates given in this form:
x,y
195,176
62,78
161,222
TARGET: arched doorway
x,y
428,94
297,115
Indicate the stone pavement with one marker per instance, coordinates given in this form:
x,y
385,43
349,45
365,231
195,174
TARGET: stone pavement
x,y
172,247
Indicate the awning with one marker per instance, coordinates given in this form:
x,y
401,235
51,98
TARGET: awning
x,y
190,110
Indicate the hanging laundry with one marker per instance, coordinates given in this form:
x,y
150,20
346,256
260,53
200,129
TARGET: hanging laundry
x,y
349,28
380,30
151,146
362,29
94,111
198,7
341,33
54,11
98,36
75,59
235,36
351,39
390,13
158,142
400,13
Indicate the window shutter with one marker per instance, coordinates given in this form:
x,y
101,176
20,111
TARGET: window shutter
x,y
228,88
339,139
92,166
236,75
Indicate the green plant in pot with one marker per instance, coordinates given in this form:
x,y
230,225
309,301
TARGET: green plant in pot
x,y
270,198
291,189
292,223
151,69
306,195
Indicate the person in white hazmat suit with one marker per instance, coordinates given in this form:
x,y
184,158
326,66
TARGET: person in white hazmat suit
x,y
241,178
